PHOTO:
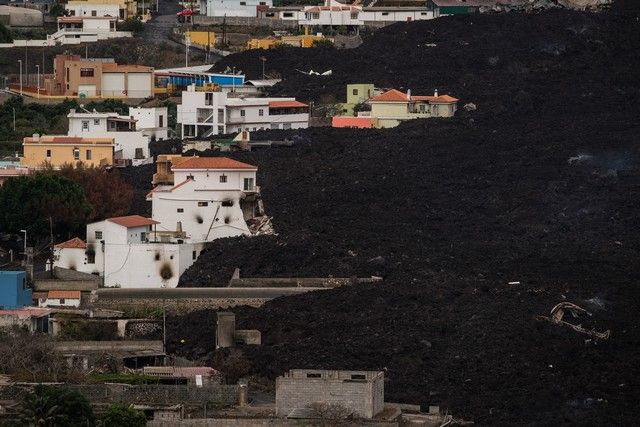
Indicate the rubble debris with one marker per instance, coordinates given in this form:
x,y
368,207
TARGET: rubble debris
x,y
558,313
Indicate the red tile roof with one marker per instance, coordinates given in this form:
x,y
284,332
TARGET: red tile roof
x,y
212,163
392,95
75,243
286,104
26,312
351,122
64,294
395,95
132,221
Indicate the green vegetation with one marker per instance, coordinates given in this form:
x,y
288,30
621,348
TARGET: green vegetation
x,y
322,43
123,416
60,407
58,10
27,202
131,24
33,118
5,34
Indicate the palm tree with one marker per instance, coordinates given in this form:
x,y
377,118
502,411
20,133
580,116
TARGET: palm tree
x,y
39,409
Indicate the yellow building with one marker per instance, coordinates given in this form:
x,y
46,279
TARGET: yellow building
x,y
202,38
60,150
393,107
295,41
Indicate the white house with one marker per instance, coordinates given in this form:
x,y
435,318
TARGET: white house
x,y
153,122
83,29
131,133
203,114
212,198
121,252
393,107
381,15
330,14
61,299
84,8
233,8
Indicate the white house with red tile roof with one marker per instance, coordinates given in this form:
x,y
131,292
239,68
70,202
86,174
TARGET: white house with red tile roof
x,y
209,199
125,252
392,107
203,114
61,299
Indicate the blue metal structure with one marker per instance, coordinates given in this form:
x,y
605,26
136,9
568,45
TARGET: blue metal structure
x,y
14,292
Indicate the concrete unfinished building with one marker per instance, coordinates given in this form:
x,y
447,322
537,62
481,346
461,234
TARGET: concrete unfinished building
x,y
360,393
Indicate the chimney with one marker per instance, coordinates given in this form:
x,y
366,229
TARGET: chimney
x,y
435,92
409,95
36,137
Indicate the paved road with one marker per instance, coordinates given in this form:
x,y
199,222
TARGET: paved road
x,y
161,24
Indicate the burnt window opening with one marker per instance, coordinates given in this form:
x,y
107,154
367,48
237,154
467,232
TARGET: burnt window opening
x,y
358,377
194,255
157,257
227,203
227,219
199,219
190,177
314,376
203,204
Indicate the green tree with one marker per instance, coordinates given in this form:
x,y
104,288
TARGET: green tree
x,y
5,34
123,416
322,43
27,202
131,24
58,10
48,406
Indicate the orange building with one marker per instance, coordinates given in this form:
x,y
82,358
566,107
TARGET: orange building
x,y
62,150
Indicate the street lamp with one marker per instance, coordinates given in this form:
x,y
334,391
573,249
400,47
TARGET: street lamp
x,y
20,61
38,68
25,240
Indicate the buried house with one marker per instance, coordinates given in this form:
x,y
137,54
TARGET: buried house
x,y
195,200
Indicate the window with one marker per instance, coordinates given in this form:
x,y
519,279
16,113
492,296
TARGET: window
x,y
354,15
385,13
94,13
242,113
76,154
286,126
193,255
208,98
314,376
48,154
220,129
421,107
355,92
161,121
88,154
248,184
287,15
86,72
180,210
357,377
275,126
143,236
91,256
85,125
423,13
261,112
315,16
98,235
243,3
96,122
61,301
67,77
203,204
139,154
435,110
223,179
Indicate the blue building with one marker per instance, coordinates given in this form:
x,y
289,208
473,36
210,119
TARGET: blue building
x,y
14,292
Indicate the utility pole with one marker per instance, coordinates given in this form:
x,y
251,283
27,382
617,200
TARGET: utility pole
x,y
263,59
14,119
38,70
187,42
51,244
20,61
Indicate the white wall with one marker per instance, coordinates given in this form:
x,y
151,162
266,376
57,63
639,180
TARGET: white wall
x,y
99,25
210,180
85,9
142,265
55,302
113,84
234,7
200,223
148,121
127,142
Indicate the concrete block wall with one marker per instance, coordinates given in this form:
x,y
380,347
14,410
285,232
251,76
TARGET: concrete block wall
x,y
364,397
